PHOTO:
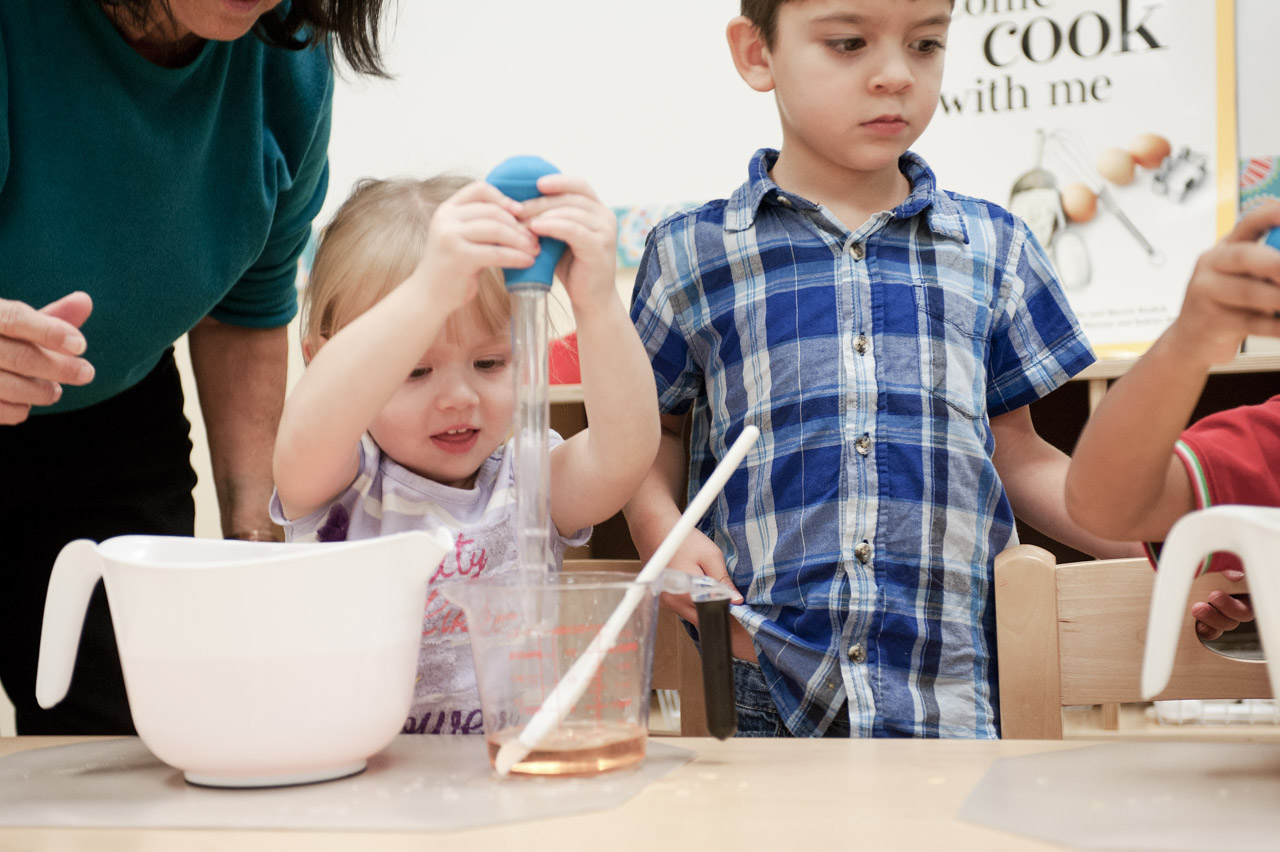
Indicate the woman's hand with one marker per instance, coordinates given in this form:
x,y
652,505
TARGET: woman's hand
x,y
39,353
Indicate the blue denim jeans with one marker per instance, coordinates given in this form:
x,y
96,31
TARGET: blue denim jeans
x,y
758,716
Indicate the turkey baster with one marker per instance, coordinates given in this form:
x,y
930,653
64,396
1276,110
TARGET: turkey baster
x,y
517,178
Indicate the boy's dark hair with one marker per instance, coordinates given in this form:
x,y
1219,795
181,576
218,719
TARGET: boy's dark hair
x,y
351,24
764,14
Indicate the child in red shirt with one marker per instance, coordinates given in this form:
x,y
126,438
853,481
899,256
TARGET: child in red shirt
x,y
1137,469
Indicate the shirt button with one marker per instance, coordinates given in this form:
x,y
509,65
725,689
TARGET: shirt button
x,y
784,201
860,344
863,551
857,251
863,444
858,654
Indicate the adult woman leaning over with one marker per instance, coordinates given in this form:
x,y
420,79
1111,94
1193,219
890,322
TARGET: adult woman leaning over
x,y
161,162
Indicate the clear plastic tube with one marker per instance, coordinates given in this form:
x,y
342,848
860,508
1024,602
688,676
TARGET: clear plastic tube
x,y
532,426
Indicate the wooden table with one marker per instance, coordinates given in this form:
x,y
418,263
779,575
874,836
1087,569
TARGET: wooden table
x,y
768,794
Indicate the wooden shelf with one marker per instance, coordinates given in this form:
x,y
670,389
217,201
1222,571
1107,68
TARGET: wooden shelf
x,y
1088,723
1114,368
1110,368
564,393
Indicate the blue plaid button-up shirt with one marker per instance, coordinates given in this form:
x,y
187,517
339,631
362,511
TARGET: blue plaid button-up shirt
x,y
862,527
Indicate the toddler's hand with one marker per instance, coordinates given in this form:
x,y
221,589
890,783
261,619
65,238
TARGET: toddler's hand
x,y
569,210
1234,292
475,229
1222,612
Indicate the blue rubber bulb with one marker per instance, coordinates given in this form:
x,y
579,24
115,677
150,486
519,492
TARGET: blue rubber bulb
x,y
1273,238
517,178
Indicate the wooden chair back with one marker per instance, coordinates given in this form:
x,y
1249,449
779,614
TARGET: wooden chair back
x,y
676,662
1074,634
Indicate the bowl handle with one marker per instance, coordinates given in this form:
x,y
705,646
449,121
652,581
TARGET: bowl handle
x,y
75,574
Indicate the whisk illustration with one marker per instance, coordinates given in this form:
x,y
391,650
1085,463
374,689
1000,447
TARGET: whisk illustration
x,y
1070,153
1035,198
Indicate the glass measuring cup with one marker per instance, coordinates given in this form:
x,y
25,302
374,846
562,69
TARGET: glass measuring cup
x,y
528,630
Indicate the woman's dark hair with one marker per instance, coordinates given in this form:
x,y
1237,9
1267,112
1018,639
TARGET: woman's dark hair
x,y
350,25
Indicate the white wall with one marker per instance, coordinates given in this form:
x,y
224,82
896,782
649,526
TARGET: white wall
x,y
1259,122
640,98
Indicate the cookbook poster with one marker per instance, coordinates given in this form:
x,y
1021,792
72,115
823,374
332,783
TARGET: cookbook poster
x,y
1109,126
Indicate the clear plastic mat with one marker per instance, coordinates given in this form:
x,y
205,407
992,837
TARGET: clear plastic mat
x,y
418,783
1158,796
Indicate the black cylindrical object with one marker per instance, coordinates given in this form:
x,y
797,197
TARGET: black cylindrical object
x,y
717,667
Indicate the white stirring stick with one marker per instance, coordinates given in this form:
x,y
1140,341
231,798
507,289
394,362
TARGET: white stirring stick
x,y
570,688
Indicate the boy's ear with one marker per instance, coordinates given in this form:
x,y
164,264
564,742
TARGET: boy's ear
x,y
750,54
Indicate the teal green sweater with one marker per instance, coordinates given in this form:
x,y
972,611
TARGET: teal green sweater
x,y
166,194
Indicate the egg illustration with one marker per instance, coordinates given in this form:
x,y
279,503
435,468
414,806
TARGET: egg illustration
x,y
1079,202
1149,150
1116,165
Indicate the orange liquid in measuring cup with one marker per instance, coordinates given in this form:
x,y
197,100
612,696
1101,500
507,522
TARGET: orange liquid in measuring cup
x,y
577,751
